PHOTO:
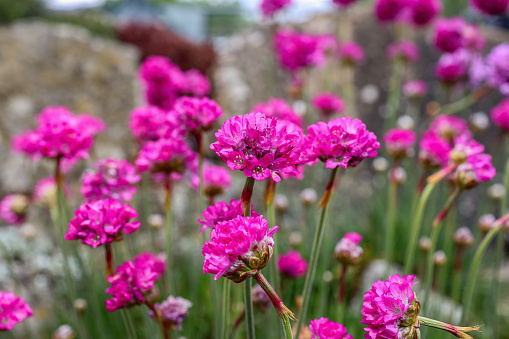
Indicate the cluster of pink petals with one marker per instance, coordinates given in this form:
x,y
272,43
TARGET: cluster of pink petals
x,y
279,109
324,328
239,248
14,208
399,142
295,51
500,114
271,7
259,146
415,12
197,84
347,250
111,178
434,151
328,103
13,310
196,114
449,127
404,50
351,53
146,123
341,142
477,168
497,68
216,180
344,3
491,7
60,134
155,262
453,68
101,222
451,34
387,305
221,211
414,89
292,264
173,311
130,283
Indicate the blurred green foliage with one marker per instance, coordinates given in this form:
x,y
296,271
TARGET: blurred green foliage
x,y
12,10
94,22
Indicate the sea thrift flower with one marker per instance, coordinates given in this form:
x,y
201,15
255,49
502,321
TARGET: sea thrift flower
x,y
341,142
417,12
156,263
350,53
424,11
196,114
486,222
221,211
172,312
292,264
399,142
433,151
271,7
347,250
414,89
12,310
404,50
343,3
102,222
497,68
476,169
449,127
146,123
14,208
453,68
324,328
491,7
45,192
239,248
259,146
216,180
500,114
295,51
260,298
196,84
328,104
388,10
111,178
463,237
448,34
473,38
279,109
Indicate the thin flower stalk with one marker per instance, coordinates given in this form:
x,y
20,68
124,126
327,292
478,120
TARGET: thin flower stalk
x,y
392,201
394,94
448,248
128,324
168,230
341,295
269,203
109,260
456,275
247,193
463,103
457,331
158,318
225,308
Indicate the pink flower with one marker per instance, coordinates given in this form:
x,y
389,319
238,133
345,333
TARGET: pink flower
x,y
221,211
156,263
173,311
12,310
448,34
424,11
497,71
448,127
146,123
14,208
196,114
350,53
101,222
453,68
477,169
399,142
340,142
347,250
404,50
216,180
196,84
388,10
292,264
390,308
414,89
324,328
45,192
259,146
491,7
433,151
260,298
279,109
295,51
271,7
111,178
328,103
473,38
239,248
344,3
415,12
500,114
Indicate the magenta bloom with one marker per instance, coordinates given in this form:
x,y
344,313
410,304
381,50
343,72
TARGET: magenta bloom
x,y
415,12
404,50
491,7
14,208
197,84
324,328
12,310
295,51
271,7
292,264
453,68
473,38
497,71
399,142
341,142
196,114
216,180
414,89
173,311
477,169
434,151
101,222
328,103
424,11
259,146
448,34
111,178
500,114
449,127
388,10
146,123
344,3
279,109
239,248
351,53
156,263
390,308
221,211
347,250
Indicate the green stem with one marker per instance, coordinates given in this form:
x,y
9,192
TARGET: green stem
x,y
250,328
168,230
463,103
341,295
128,324
157,317
225,308
416,227
269,202
391,110
456,275
448,248
201,156
457,331
392,204
315,251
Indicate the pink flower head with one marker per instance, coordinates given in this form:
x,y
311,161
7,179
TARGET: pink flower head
x,y
404,50
173,311
130,284
347,250
196,114
197,84
271,7
278,108
111,178
448,127
464,147
341,142
497,71
500,114
221,211
424,11
388,10
399,142
448,34
477,169
351,53
328,103
295,51
343,3
156,263
259,146
60,134
415,12
260,298
216,180
146,123
433,151
415,89
45,192
239,248
491,7
14,208
13,310
292,264
324,328
453,68
101,222
390,308
473,38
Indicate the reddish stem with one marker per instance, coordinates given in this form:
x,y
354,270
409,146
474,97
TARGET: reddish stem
x,y
157,317
247,193
457,259
58,173
167,199
109,260
342,280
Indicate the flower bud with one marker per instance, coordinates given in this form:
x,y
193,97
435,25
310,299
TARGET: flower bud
x,y
424,244
496,191
281,203
348,251
156,221
485,223
64,332
439,258
380,165
463,237
308,197
80,305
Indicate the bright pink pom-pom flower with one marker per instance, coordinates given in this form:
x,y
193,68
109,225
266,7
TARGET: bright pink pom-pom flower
x,y
146,123
279,109
292,264
477,169
14,208
259,146
341,142
399,142
216,180
424,11
196,84
453,68
328,104
221,211
415,12
497,71
414,89
390,308
449,127
173,311
295,51
347,250
239,248
103,221
500,114
351,53
156,263
404,50
455,33
196,114
434,151
270,7
12,310
491,7
324,328
111,178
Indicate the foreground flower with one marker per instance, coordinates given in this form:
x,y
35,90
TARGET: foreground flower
x,y
347,251
328,104
500,115
491,7
271,7
279,109
172,312
292,264
324,328
14,208
221,211
399,142
12,310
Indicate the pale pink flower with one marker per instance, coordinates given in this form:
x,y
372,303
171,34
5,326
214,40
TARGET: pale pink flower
x,y
404,50
173,311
